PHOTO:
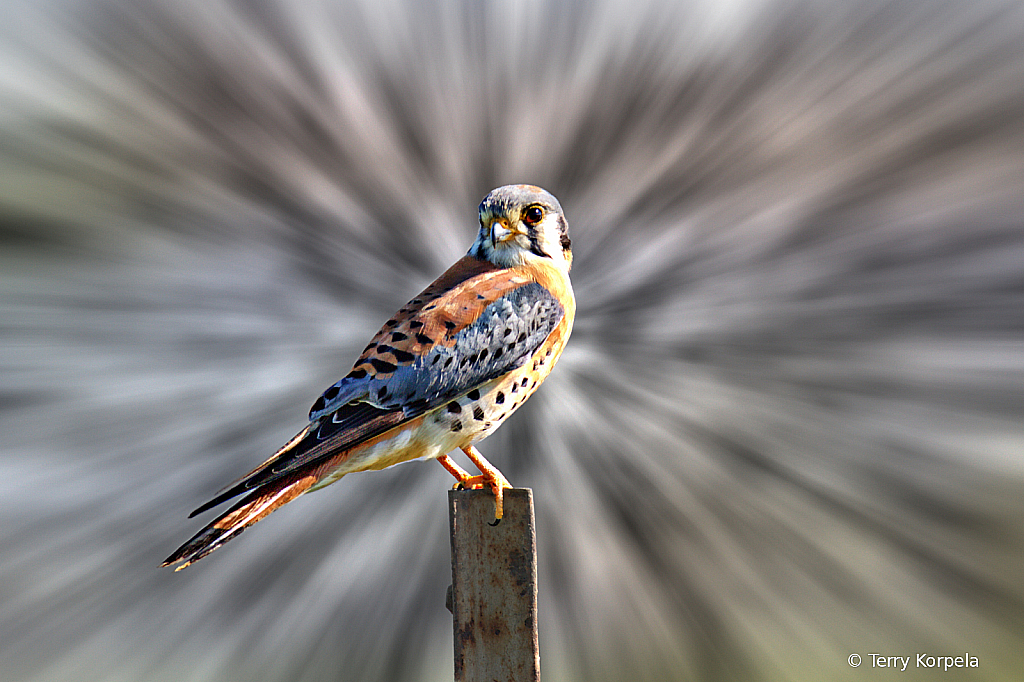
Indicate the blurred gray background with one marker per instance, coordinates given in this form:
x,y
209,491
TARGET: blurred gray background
x,y
788,426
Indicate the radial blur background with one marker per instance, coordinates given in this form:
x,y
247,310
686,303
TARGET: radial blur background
x,y
788,426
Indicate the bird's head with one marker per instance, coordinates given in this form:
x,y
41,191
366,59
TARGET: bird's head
x,y
520,224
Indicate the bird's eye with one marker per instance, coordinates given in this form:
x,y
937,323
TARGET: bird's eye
x,y
533,215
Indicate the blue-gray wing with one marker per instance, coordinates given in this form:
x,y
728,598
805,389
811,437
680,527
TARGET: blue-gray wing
x,y
403,376
506,333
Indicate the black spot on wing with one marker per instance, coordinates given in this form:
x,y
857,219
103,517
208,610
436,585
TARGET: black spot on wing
x,y
349,388
502,338
402,356
382,366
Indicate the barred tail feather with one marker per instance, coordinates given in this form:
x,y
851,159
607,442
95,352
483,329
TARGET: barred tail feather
x,y
245,513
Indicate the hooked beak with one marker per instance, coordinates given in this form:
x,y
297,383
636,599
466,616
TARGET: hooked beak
x,y
500,231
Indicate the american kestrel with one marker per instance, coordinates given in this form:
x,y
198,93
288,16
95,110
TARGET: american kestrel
x,y
440,375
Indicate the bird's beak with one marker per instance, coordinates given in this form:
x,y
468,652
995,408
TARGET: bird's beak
x,y
500,231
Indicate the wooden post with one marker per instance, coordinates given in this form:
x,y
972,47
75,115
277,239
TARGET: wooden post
x,y
493,596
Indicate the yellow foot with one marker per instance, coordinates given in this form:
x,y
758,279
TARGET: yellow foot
x,y
473,483
489,477
492,477
463,479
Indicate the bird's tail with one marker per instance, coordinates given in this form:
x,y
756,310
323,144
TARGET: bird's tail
x,y
246,512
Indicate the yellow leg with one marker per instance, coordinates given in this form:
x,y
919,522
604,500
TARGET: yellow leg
x,y
460,474
489,476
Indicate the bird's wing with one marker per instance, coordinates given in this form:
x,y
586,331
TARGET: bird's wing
x,y
475,323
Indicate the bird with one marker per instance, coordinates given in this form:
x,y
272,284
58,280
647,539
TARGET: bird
x,y
441,375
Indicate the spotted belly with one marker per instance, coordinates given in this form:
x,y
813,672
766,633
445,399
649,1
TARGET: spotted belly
x,y
458,423
478,413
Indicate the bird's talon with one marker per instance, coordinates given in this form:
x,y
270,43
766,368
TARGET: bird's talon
x,y
491,479
475,482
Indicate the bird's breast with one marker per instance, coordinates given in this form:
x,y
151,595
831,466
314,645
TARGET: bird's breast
x,y
476,414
